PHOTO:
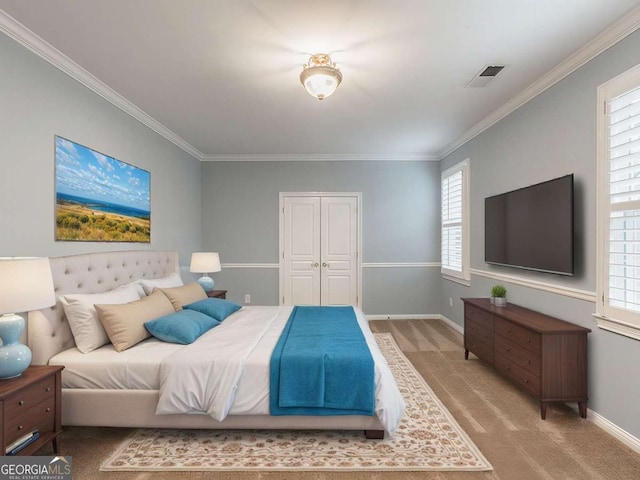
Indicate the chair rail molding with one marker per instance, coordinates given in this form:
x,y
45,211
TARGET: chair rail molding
x,y
250,265
400,264
586,295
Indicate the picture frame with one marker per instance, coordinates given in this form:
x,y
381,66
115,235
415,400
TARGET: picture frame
x,y
99,198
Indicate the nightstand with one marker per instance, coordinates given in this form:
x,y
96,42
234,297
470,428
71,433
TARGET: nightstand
x,y
31,402
217,294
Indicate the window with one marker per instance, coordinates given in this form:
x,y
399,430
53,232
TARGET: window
x,y
619,205
455,223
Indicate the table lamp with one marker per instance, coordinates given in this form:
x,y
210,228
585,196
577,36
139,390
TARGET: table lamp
x,y
205,263
25,284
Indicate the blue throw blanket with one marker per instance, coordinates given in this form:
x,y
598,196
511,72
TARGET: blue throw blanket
x,y
322,365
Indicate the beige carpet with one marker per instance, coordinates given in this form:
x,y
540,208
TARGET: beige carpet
x,y
429,438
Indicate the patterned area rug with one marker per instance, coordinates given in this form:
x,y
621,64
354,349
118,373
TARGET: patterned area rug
x,y
429,438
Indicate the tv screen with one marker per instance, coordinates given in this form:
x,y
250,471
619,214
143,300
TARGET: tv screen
x,y
532,227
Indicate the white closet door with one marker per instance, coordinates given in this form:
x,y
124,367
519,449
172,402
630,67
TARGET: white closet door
x,y
339,250
302,251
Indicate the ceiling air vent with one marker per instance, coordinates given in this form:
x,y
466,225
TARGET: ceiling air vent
x,y
485,75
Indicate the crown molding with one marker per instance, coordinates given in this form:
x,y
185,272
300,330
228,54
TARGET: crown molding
x,y
21,34
625,26
18,32
322,157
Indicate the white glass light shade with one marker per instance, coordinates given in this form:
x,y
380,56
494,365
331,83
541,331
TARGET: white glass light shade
x,y
320,77
25,284
320,82
205,262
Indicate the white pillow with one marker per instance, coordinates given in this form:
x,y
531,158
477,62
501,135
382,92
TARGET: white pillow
x,y
173,280
87,330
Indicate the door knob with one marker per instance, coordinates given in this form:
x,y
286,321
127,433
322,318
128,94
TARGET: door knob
x,y
314,264
325,264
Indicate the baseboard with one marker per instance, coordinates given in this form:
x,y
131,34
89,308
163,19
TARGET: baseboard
x,y
404,316
452,324
611,428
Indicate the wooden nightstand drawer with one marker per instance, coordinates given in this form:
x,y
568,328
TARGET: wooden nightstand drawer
x,y
17,403
40,416
518,335
217,294
31,402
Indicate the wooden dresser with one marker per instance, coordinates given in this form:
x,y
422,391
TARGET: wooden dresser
x,y
545,356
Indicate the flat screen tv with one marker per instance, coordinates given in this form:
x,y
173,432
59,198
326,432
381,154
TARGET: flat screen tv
x,y
532,228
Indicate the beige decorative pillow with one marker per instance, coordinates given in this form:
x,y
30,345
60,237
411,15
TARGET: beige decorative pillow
x,y
179,296
83,318
124,323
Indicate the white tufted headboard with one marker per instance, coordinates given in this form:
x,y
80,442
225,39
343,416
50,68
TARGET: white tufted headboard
x,y
48,331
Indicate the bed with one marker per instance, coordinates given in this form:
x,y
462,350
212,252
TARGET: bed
x,y
121,389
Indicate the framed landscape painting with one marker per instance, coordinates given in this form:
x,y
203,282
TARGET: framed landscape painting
x,y
99,198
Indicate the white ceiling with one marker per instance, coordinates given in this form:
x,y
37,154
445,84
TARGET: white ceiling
x,y
222,77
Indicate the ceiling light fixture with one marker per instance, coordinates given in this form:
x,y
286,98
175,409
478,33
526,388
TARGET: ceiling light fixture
x,y
320,77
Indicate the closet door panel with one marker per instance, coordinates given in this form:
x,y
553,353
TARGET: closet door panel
x,y
338,248
302,251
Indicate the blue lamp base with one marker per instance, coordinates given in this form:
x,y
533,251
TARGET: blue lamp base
x,y
14,356
206,283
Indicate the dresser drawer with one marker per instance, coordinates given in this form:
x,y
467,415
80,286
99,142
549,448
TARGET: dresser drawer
x,y
481,349
478,330
522,377
524,358
479,316
518,335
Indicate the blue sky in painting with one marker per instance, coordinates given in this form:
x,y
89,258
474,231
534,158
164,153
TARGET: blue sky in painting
x,y
86,173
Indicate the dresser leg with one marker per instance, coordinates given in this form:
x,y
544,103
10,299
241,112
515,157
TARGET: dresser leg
x,y
466,354
582,407
543,410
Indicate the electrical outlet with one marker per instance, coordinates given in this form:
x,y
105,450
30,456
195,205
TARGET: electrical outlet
x,y
450,302
247,298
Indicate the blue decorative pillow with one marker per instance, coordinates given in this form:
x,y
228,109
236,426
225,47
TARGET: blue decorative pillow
x,y
182,327
214,307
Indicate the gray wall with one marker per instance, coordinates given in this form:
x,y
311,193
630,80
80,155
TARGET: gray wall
x,y
552,135
38,101
400,218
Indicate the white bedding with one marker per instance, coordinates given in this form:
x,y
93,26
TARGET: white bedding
x,y
239,373
137,368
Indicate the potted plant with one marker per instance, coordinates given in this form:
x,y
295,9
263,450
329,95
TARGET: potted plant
x,y
499,295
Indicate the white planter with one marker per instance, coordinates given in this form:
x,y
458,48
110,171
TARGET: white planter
x,y
499,301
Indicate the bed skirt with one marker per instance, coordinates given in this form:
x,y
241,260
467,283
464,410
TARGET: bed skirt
x,y
135,408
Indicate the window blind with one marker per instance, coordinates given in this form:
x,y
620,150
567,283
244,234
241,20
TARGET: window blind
x,y
452,222
624,201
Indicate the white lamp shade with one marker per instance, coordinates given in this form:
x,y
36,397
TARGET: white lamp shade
x,y
25,284
205,262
